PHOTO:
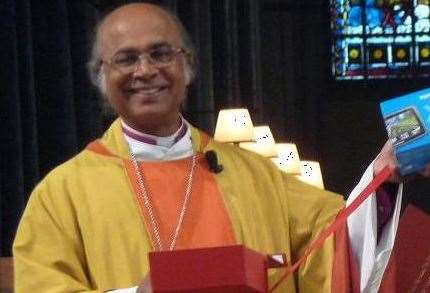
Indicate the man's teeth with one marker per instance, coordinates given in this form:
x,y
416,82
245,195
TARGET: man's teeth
x,y
149,90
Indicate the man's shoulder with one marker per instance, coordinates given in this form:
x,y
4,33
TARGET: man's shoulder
x,y
245,158
79,166
241,165
253,161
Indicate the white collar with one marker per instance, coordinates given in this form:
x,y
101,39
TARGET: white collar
x,y
155,148
165,141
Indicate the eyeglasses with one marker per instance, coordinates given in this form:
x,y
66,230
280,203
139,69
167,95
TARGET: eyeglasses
x,y
128,62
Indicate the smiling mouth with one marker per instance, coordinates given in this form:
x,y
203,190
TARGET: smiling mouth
x,y
147,91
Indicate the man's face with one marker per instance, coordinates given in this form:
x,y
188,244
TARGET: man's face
x,y
149,97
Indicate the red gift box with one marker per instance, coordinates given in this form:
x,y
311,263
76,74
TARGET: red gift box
x,y
218,269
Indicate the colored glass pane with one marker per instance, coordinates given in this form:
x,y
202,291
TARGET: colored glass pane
x,y
380,38
346,17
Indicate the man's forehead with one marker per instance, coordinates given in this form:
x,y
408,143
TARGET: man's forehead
x,y
134,22
134,11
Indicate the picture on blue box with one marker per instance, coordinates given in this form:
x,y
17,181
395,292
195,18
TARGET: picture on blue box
x,y
404,126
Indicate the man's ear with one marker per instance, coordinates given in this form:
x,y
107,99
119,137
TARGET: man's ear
x,y
102,82
189,75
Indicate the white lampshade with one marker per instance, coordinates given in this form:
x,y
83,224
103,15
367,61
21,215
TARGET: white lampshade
x,y
311,174
264,142
288,159
262,134
234,125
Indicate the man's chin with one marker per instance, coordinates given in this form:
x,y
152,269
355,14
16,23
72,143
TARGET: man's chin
x,y
149,119
152,111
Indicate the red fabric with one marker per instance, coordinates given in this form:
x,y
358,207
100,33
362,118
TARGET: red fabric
x,y
346,276
408,269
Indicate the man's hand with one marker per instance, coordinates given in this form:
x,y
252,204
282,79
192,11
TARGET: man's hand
x,y
386,157
426,171
145,285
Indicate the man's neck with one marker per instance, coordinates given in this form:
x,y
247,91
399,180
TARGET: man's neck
x,y
166,141
155,148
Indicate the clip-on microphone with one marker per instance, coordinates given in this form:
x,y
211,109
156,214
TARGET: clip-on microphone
x,y
212,159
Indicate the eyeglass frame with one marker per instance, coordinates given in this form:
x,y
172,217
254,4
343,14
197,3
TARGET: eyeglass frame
x,y
146,55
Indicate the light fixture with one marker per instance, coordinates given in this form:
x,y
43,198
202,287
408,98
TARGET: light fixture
x,y
234,125
311,173
264,142
288,159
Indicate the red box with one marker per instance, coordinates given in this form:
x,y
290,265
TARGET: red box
x,y
220,269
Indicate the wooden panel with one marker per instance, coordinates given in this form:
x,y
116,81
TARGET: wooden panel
x,y
6,274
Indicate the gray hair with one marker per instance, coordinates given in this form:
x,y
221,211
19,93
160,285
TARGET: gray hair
x,y
94,65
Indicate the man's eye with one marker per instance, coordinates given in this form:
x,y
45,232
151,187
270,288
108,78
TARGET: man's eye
x,y
124,60
162,55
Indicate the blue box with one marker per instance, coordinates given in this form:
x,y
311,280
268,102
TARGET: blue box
x,y
407,119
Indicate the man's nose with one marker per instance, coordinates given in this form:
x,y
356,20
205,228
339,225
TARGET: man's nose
x,y
145,68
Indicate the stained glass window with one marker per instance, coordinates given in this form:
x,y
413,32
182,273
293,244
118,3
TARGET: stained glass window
x,y
380,38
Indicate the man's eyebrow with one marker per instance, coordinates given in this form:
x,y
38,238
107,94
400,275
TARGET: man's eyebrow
x,y
130,50
127,51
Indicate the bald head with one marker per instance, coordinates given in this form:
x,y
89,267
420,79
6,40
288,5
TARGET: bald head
x,y
143,63
145,17
148,17
138,10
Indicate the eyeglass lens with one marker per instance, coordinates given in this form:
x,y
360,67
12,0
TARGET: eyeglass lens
x,y
159,57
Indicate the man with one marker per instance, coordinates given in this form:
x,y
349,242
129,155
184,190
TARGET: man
x,y
146,186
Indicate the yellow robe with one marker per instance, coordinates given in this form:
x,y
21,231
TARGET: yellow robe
x,y
82,230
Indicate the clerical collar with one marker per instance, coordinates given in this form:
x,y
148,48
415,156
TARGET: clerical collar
x,y
165,141
153,148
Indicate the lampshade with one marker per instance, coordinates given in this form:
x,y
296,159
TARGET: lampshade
x,y
264,142
234,125
288,158
311,173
